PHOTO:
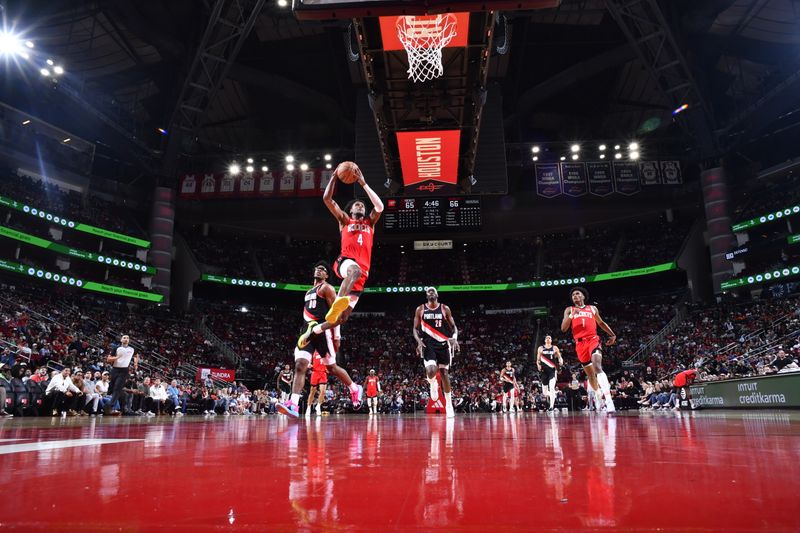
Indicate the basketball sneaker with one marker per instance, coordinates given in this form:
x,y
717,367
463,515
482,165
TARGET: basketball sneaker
x,y
355,396
319,410
289,409
339,306
434,390
305,338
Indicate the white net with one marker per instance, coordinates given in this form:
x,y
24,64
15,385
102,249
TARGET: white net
x,y
423,38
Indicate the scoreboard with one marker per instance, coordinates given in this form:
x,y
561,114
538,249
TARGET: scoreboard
x,y
432,215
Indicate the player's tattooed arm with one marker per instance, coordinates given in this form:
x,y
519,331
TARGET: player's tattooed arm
x,y
567,321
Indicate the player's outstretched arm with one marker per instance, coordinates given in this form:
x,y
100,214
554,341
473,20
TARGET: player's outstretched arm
x,y
415,331
331,204
539,359
612,338
377,204
567,321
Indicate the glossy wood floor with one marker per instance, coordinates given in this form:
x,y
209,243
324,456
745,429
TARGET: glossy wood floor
x,y
705,471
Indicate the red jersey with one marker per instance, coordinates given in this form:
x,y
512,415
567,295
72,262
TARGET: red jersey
x,y
685,378
372,386
584,323
317,366
357,242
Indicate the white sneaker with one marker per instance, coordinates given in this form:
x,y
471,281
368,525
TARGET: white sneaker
x,y
226,413
308,413
150,413
434,390
178,414
450,411
319,410
610,408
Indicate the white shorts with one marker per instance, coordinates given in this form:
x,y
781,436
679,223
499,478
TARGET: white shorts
x,y
322,344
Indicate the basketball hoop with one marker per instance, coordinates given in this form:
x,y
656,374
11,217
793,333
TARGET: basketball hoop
x,y
423,38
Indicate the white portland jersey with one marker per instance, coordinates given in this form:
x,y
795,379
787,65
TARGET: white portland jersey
x,y
124,355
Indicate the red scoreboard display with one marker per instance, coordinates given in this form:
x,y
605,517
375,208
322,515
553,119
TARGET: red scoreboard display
x,y
432,215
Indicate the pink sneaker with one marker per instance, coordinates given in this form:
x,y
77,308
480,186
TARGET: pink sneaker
x,y
289,409
355,396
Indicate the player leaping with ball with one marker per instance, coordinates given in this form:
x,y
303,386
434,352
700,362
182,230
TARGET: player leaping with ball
x,y
358,231
584,320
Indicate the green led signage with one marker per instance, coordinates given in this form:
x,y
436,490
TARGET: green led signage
x,y
79,283
72,252
78,226
768,217
777,274
634,272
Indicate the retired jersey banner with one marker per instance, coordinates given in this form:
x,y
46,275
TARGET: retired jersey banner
x,y
671,173
650,173
324,177
247,185
266,184
208,187
308,183
188,185
421,25
548,180
287,185
227,185
573,179
429,156
601,182
626,177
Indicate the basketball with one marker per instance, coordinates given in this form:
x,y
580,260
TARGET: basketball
x,y
348,172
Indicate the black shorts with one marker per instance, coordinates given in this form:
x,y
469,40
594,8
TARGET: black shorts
x,y
441,353
547,374
322,344
507,387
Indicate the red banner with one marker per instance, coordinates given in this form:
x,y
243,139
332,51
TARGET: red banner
x,y
422,25
429,156
221,374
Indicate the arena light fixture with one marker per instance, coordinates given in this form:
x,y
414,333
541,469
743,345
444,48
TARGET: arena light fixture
x,y
563,158
535,149
50,62
618,156
10,45
602,156
575,148
290,158
233,169
283,3
634,155
328,166
250,160
303,166
575,157
602,147
162,131
536,158
290,167
249,168
617,147
327,157
29,44
264,168
634,146
44,72
680,109
24,55
68,139
26,122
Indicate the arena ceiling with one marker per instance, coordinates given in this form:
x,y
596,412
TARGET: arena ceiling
x,y
571,74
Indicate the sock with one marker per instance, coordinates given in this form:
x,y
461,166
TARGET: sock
x,y
353,387
605,387
317,330
295,399
448,400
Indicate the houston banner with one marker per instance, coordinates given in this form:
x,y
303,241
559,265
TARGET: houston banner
x,y
429,158
548,180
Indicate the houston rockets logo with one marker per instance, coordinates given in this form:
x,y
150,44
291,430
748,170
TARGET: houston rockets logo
x,y
429,187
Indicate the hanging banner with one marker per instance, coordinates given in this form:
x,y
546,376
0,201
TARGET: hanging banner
x,y
188,186
626,177
247,185
650,173
227,185
429,157
324,177
548,180
308,183
671,173
287,184
208,187
266,184
601,182
573,179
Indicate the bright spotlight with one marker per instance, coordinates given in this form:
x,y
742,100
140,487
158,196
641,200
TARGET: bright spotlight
x,y
618,156
29,44
250,160
535,149
602,156
290,167
574,157
633,146
162,131
290,159
536,158
616,147
10,45
327,157
563,158
234,169
26,122
575,148
44,72
283,3
68,139
50,62
602,147
328,166
634,155
264,168
249,168
24,55
304,166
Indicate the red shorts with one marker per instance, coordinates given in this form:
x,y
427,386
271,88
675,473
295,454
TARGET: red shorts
x,y
319,378
358,286
585,346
